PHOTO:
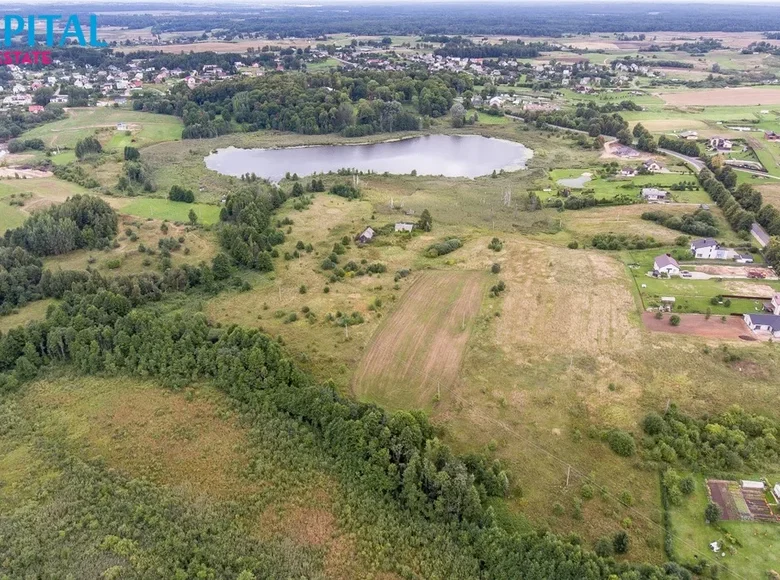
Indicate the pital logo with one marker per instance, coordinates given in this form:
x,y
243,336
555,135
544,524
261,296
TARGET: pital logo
x,y
22,29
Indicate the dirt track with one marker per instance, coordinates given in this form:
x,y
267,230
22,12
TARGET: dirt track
x,y
419,348
698,325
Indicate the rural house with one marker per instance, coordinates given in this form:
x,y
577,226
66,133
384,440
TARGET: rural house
x,y
773,306
628,172
763,322
704,248
771,136
688,135
404,227
366,236
653,195
652,165
665,264
720,144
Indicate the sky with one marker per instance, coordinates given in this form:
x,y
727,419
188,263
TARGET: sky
x,y
172,4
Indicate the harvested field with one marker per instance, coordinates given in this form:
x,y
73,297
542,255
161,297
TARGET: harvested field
x,y
419,348
723,97
564,301
664,125
697,325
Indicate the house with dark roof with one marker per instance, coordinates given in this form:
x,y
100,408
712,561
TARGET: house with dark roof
x,y
760,234
652,165
665,264
653,195
763,323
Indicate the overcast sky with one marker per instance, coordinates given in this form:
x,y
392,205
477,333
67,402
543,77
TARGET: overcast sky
x,y
211,3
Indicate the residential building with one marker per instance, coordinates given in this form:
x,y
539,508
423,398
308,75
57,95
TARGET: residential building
x,y
688,135
773,306
652,165
665,264
628,171
720,144
404,227
653,195
763,323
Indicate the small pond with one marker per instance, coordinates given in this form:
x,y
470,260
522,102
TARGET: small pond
x,y
575,182
447,155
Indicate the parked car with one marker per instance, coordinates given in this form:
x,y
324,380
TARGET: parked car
x,y
686,274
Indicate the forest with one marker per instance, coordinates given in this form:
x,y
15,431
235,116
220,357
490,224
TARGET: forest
x,y
353,103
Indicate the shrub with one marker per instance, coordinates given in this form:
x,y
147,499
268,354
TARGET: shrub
x,y
604,547
442,248
113,263
621,542
712,513
178,193
653,424
573,245
302,289
621,442
495,268
674,320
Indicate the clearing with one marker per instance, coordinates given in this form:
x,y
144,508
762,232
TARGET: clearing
x,y
419,349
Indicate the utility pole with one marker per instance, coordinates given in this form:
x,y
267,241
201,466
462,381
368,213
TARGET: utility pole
x,y
568,474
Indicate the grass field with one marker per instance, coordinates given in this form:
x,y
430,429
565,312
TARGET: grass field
x,y
145,128
748,546
164,209
418,350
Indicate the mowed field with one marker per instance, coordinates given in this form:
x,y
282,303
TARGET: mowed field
x,y
418,351
724,97
145,128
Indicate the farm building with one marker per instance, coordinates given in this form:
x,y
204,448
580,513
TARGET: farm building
x,y
760,234
653,195
366,236
773,306
748,484
688,135
665,264
764,322
652,165
771,136
404,227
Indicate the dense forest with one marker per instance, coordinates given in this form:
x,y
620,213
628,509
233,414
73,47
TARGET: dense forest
x,y
353,103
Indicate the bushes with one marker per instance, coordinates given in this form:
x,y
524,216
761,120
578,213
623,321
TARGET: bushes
x,y
19,145
739,219
346,190
700,223
496,245
612,241
728,441
88,146
442,248
712,513
621,442
178,193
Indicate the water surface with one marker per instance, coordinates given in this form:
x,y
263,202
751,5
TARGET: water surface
x,y
575,182
448,155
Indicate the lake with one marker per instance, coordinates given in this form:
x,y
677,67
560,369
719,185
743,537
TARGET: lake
x,y
448,155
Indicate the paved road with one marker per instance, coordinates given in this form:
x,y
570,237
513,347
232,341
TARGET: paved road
x,y
697,164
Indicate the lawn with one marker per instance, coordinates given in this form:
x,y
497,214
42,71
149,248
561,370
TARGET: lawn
x,y
145,128
175,211
749,550
607,188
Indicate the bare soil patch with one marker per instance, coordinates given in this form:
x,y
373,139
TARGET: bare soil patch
x,y
739,271
419,348
720,494
723,97
697,325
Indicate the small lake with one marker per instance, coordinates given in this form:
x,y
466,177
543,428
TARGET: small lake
x,y
575,182
448,155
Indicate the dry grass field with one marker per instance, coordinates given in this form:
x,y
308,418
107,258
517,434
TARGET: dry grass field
x,y
418,350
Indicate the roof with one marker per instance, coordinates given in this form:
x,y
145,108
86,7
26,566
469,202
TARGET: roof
x,y
752,484
770,320
648,191
703,243
650,162
759,233
665,260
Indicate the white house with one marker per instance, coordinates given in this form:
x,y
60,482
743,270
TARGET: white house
x,y
652,165
721,144
404,227
628,171
776,491
773,306
665,264
704,248
651,194
764,322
